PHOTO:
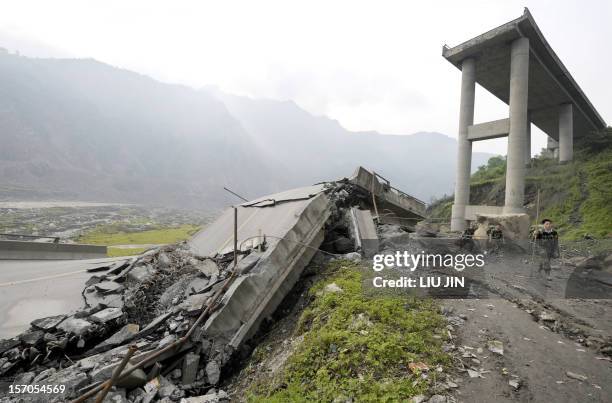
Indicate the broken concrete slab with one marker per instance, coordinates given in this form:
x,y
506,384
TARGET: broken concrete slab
x,y
94,298
48,323
514,226
298,221
212,397
125,334
24,379
190,368
166,388
363,231
141,273
248,262
6,365
194,303
106,287
75,326
44,375
72,377
106,315
32,337
99,360
208,268
14,353
7,344
154,324
88,311
111,268
397,204
174,293
135,379
213,372
197,285
93,280
105,363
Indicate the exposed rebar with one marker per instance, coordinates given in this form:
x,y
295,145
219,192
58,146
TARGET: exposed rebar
x,y
116,373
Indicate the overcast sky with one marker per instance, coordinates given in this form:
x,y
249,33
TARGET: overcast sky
x,y
372,65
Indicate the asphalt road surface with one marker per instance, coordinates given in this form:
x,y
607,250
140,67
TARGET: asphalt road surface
x,y
32,289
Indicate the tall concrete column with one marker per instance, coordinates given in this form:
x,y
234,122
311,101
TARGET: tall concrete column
x,y
528,141
553,146
517,138
464,147
566,133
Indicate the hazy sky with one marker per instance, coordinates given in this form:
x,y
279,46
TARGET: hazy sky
x,y
372,65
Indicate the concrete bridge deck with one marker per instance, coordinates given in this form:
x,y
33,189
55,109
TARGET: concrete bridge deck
x,y
550,82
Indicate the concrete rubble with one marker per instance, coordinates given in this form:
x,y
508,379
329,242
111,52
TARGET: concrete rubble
x,y
188,305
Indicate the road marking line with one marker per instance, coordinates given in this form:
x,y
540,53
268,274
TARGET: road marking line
x,y
41,278
231,238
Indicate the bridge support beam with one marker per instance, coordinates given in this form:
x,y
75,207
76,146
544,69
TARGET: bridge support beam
x,y
528,142
517,138
464,146
566,133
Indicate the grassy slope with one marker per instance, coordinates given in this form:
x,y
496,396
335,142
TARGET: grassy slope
x,y
111,235
576,196
357,346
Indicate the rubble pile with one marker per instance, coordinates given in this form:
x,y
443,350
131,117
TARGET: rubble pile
x,y
150,302
176,315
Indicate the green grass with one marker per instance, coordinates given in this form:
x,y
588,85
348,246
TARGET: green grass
x,y
586,207
495,168
117,252
357,346
577,196
109,235
114,235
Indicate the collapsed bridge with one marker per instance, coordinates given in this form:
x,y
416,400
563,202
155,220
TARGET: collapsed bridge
x,y
163,325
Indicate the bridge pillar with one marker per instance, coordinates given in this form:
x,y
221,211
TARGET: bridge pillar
x,y
528,141
566,133
464,146
515,170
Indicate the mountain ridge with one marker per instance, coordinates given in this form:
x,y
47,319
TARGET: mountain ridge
x,y
79,129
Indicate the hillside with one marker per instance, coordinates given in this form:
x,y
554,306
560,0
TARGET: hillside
x,y
78,129
577,196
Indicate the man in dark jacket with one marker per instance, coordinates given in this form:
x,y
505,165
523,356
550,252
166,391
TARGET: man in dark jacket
x,y
495,238
467,238
547,240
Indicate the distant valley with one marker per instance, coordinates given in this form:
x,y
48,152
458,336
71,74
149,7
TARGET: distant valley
x,y
78,129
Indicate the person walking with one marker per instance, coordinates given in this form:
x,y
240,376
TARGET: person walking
x,y
496,238
547,240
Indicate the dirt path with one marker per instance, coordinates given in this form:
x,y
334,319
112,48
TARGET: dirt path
x,y
548,329
544,334
533,355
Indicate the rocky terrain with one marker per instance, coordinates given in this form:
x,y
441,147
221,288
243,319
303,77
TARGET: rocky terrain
x,y
511,334
150,303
